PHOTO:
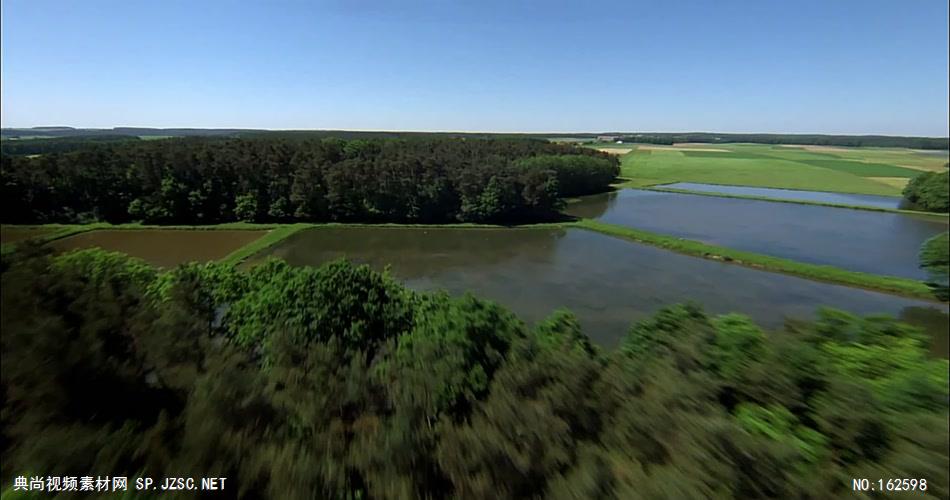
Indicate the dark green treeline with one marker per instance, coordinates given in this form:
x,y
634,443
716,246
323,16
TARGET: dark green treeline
x,y
206,181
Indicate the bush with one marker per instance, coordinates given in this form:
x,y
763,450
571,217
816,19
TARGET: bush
x,y
929,191
337,382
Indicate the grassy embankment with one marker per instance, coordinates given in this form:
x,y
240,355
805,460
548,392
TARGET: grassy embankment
x,y
844,170
830,274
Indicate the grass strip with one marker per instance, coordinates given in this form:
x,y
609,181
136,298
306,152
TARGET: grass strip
x,y
830,274
270,239
944,217
626,182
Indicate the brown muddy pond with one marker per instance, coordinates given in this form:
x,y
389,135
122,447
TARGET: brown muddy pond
x,y
163,247
13,234
607,282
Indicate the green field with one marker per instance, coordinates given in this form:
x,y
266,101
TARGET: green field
x,y
876,171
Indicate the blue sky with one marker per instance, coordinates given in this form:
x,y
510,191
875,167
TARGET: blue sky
x,y
758,66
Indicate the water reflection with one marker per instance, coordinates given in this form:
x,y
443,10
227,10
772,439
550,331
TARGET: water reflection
x,y
606,281
872,242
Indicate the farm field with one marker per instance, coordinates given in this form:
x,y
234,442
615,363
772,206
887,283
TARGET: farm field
x,y
874,171
13,234
163,247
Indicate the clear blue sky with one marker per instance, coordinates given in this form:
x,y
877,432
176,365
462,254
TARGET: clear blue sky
x,y
828,66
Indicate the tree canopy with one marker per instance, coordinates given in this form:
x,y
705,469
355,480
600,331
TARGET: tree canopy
x,y
337,382
929,191
266,179
935,259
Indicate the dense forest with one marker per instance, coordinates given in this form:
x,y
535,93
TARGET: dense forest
x,y
929,191
24,147
214,180
337,382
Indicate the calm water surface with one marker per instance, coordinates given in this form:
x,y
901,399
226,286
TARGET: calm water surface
x,y
863,200
607,282
872,242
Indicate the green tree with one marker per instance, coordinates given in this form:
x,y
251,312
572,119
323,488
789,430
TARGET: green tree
x,y
929,191
935,259
245,207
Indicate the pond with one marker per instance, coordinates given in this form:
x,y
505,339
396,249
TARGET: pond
x,y
863,200
607,282
163,247
871,242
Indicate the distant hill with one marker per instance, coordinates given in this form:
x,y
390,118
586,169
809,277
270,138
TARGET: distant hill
x,y
33,145
11,133
881,141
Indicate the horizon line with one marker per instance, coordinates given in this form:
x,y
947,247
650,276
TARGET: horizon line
x,y
435,131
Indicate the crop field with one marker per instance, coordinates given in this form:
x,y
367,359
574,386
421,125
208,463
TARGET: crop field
x,y
13,234
164,247
877,171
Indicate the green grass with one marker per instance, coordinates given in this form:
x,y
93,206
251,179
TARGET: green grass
x,y
864,169
270,239
843,170
623,182
899,157
623,145
737,155
829,274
